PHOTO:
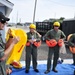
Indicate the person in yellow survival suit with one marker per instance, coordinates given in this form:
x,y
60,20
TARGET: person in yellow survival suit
x,y
31,49
54,34
5,52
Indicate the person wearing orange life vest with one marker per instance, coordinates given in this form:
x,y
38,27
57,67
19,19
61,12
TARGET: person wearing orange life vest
x,y
71,42
54,34
31,49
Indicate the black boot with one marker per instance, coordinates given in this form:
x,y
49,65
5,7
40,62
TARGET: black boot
x,y
47,71
73,64
27,71
54,70
74,72
36,70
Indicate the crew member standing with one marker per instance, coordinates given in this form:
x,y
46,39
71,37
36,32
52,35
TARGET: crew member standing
x,y
31,49
54,34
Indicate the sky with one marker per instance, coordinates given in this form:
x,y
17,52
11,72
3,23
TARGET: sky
x,y
23,10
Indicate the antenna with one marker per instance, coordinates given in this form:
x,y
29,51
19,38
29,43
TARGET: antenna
x,y
34,11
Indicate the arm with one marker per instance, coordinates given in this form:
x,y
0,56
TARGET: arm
x,y
63,36
47,36
70,41
8,50
28,37
38,37
37,33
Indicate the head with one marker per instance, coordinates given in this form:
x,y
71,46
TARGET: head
x,y
56,25
3,21
32,27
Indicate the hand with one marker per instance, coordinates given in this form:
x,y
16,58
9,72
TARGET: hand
x,y
34,40
8,50
35,31
15,40
9,32
31,41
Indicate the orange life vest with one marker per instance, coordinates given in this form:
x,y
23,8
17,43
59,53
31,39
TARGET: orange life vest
x,y
51,43
60,42
28,44
37,44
